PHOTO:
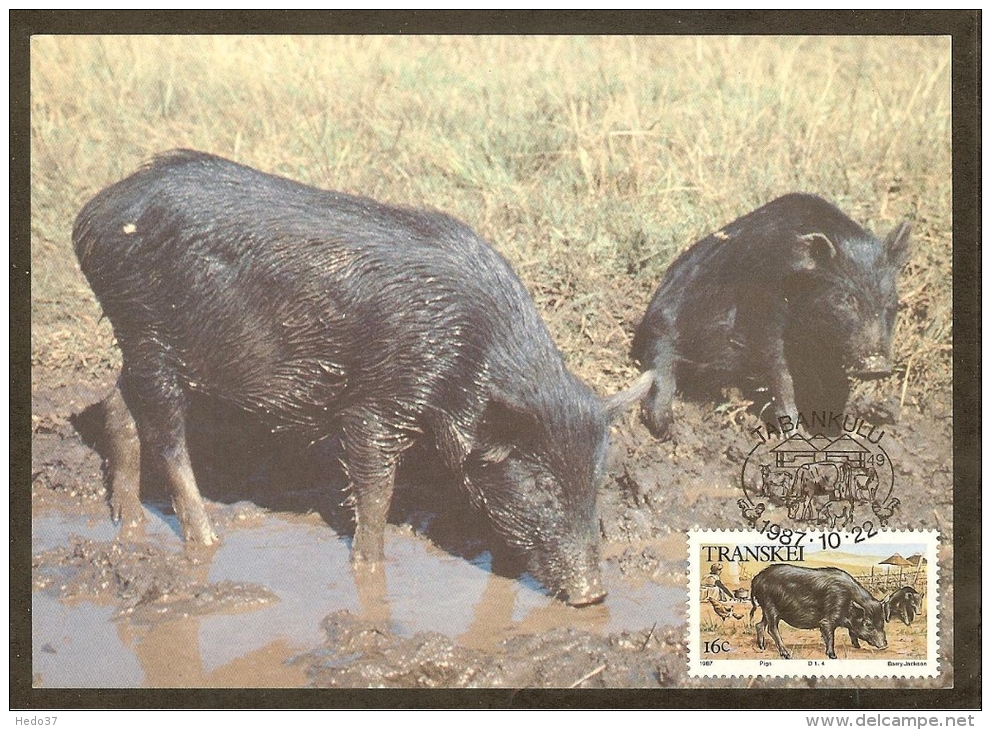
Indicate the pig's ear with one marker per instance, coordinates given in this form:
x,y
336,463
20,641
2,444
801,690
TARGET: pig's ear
x,y
505,423
886,607
614,405
898,244
812,251
858,611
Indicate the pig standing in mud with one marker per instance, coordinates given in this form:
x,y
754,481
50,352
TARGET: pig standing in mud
x,y
794,297
327,313
816,598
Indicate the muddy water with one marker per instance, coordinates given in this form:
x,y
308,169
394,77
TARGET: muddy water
x,y
86,642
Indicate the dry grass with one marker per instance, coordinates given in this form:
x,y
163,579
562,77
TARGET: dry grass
x,y
588,161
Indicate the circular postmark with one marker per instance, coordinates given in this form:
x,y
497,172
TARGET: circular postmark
x,y
841,481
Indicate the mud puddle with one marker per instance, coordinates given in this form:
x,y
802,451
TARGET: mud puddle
x,y
277,603
178,633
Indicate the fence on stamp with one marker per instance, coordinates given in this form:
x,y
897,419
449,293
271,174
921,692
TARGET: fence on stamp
x,y
881,581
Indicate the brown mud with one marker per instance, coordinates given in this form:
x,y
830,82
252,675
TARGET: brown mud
x,y
277,604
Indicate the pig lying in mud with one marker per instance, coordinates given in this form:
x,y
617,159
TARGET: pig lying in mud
x,y
326,314
793,297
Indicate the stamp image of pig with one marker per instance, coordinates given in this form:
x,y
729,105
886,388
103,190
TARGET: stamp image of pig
x,y
331,314
794,297
903,604
816,598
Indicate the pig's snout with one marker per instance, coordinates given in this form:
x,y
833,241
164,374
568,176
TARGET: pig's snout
x,y
872,367
586,595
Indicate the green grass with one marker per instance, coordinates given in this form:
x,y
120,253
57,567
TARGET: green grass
x,y
588,161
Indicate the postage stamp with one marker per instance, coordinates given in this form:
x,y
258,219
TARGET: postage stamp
x,y
782,603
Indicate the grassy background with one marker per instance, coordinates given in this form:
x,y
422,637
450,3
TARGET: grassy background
x,y
588,161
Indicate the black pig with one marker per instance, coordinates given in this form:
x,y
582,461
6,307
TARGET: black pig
x,y
904,603
794,297
325,313
816,598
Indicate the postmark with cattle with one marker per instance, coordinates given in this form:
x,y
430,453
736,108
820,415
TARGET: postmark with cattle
x,y
796,605
841,482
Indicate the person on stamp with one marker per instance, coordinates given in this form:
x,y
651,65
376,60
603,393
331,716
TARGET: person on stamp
x,y
712,586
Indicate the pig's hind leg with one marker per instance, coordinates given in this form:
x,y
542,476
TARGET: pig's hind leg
x,y
772,618
123,462
761,629
152,390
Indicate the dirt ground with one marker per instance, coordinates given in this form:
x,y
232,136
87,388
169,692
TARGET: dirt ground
x,y
277,604
904,642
